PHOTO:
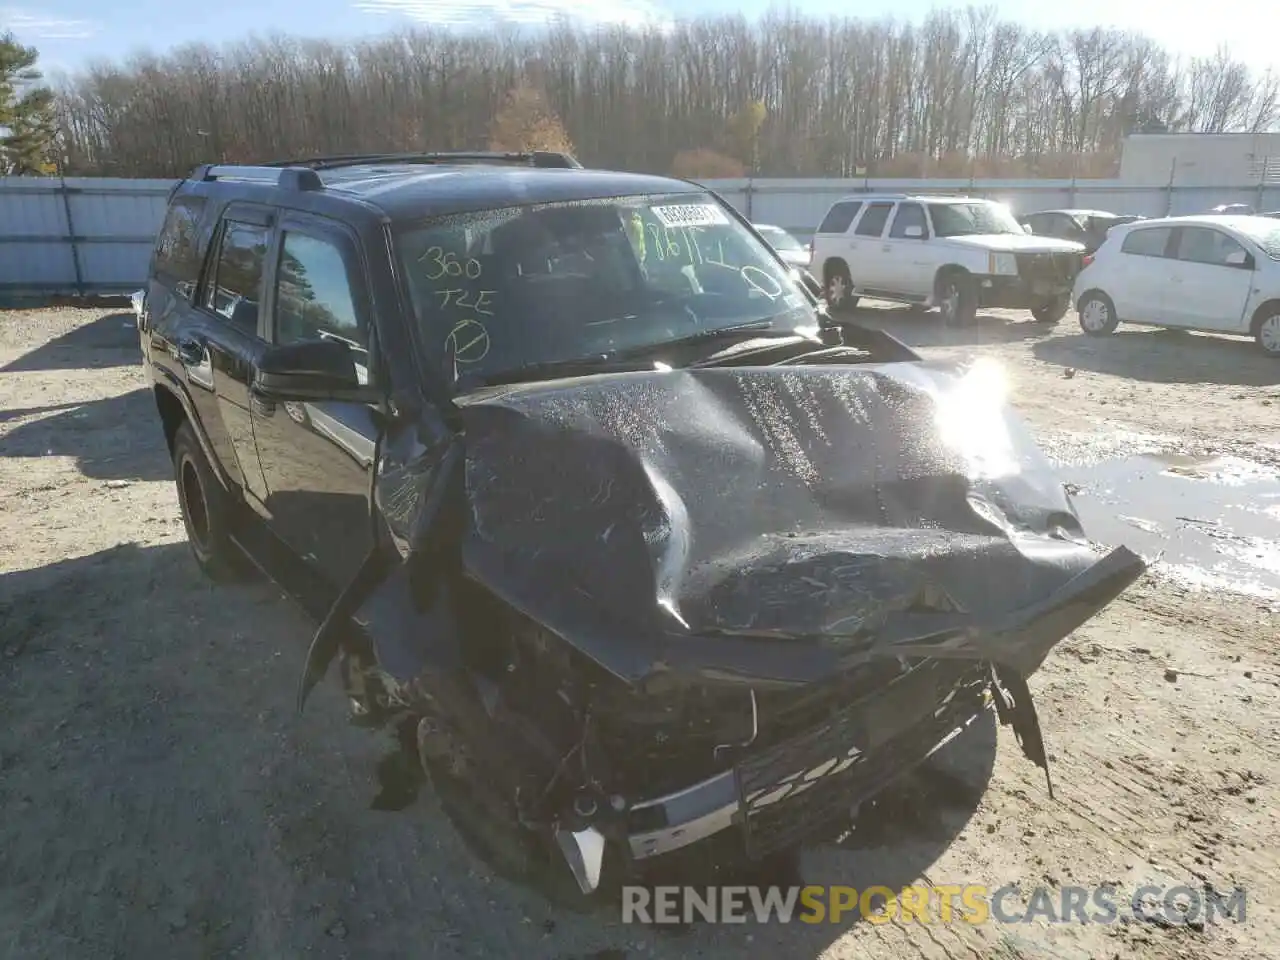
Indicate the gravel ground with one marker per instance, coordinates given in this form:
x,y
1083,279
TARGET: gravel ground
x,y
161,797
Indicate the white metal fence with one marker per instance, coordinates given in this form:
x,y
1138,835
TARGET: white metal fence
x,y
83,235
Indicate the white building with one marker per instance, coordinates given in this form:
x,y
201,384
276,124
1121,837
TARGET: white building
x,y
1201,159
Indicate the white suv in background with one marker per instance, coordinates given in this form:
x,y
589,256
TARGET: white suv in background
x,y
1219,274
955,253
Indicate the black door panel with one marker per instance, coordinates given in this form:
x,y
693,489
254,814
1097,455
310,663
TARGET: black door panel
x,y
316,458
221,345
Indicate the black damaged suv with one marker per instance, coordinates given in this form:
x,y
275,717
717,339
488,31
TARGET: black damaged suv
x,y
595,510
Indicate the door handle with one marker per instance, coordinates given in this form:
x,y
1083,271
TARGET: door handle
x,y
191,351
885,248
1175,279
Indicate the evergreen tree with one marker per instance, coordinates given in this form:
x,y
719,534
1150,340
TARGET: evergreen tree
x,y
27,125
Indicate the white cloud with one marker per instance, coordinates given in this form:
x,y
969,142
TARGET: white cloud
x,y
448,13
29,26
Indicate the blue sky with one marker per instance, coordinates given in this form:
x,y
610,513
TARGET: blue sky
x,y
71,32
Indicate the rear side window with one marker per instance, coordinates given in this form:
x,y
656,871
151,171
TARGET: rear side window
x,y
177,254
873,221
235,279
1067,227
840,216
1147,243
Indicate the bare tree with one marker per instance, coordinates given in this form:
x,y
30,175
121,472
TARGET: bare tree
x,y
963,93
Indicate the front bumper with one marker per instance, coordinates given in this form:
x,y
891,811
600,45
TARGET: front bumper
x,y
781,795
1019,293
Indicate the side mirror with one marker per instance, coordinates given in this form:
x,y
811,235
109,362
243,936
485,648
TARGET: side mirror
x,y
1026,228
311,370
1239,258
914,233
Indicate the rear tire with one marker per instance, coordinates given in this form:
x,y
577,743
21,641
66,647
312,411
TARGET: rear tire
x,y
838,289
957,297
1266,330
1053,311
205,510
1097,314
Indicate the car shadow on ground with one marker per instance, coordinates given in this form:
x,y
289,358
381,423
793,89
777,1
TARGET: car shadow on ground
x,y
109,341
129,679
20,412
1164,356
118,438
917,328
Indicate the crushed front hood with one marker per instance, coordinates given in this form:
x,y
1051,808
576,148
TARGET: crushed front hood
x,y
777,523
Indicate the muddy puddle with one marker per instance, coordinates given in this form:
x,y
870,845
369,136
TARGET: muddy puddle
x,y
1208,522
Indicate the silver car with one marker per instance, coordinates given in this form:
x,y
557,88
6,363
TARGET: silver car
x,y
789,248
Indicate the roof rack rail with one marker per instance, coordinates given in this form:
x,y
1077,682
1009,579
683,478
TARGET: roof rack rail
x,y
285,177
545,159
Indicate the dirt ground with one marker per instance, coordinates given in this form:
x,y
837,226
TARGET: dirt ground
x,y
162,798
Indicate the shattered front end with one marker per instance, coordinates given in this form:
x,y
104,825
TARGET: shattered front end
x,y
725,603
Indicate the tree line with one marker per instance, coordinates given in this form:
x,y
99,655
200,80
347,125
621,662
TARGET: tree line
x,y
964,93
27,127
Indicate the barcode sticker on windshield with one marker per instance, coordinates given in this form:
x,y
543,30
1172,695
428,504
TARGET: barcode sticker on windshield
x,y
690,215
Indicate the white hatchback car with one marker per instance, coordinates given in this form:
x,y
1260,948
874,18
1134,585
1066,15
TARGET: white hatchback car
x,y
1219,274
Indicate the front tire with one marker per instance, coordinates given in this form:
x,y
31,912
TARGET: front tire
x,y
1097,314
1053,311
1266,330
205,510
957,299
838,289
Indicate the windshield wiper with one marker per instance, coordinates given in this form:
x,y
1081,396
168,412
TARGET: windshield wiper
x,y
626,358
722,333
534,371
739,331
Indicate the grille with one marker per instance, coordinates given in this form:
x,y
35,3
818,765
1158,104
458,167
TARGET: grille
x,y
1048,267
811,781
657,758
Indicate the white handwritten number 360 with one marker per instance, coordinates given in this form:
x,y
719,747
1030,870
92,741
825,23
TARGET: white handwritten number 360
x,y
448,265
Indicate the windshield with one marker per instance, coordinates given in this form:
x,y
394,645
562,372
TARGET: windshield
x,y
520,286
972,219
779,239
1264,232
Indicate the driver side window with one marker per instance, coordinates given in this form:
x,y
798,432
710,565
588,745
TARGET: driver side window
x,y
314,297
1202,245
